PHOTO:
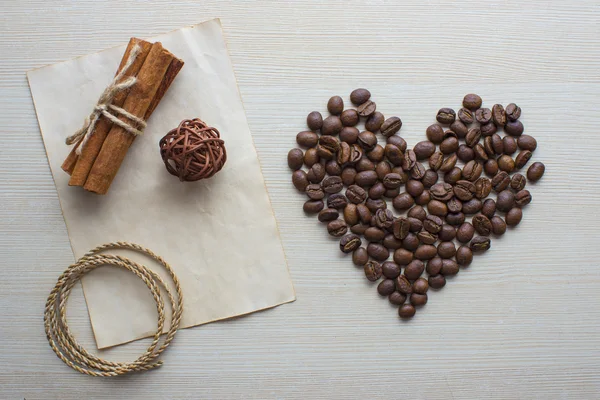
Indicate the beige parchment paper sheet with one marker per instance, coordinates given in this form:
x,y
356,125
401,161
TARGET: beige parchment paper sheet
x,y
220,235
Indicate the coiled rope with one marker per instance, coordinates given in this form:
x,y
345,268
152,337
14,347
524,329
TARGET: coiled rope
x,y
70,351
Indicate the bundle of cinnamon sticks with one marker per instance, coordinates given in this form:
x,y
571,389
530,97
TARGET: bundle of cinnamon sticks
x,y
100,158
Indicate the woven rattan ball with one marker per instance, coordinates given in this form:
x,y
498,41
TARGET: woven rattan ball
x,y
193,151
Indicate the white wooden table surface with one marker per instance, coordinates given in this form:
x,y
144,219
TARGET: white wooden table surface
x,y
522,322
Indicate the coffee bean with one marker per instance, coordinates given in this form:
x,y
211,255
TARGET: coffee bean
x,y
359,96
424,198
300,180
314,120
513,112
498,115
414,187
522,198
344,155
374,234
430,178
391,193
337,228
392,180
483,116
482,224
406,311
366,178
364,214
332,184
307,138
480,153
349,117
335,105
424,149
350,243
386,287
390,242
472,206
491,167
505,200
465,232
417,212
448,233
498,225
398,142
359,256
433,223
465,153
453,176
409,161
464,190
390,270
449,267
311,157
424,236
472,101
295,159
526,142
403,256
337,201
489,208
367,140
348,175
328,147
464,256
420,286
441,191
449,145
350,214
393,154
349,134
472,170
397,298
434,266
449,163
315,192
383,168
466,116
518,182
364,164
488,129
455,219
417,299
359,228
459,128
436,281
390,126
403,201
514,216
333,168
415,224
374,122
378,251
489,148
509,145
328,214
501,181
454,205
514,128
410,242
435,133
372,270
522,159
377,191
436,160
536,171
400,227
332,125
480,243
473,137
375,204
384,219
438,208
446,249
377,154
366,109
445,116
313,206
414,269
483,187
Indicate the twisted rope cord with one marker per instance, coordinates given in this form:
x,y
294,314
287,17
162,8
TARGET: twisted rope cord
x,y
104,107
66,346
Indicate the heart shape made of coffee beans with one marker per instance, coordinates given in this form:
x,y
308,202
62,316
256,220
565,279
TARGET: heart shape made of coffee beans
x,y
444,213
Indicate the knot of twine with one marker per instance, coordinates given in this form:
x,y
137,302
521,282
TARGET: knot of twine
x,y
66,346
105,108
193,150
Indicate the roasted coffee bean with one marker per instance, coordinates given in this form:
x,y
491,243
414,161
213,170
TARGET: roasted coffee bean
x,y
314,120
392,180
360,256
417,212
377,191
384,219
445,116
364,214
436,160
391,242
430,178
455,219
488,147
403,256
390,270
491,167
514,128
359,228
483,116
453,176
482,224
295,159
374,122
518,182
446,249
498,115
315,192
526,142
459,128
378,251
505,200
410,160
426,237
373,270
328,214
424,149
488,129
415,268
415,224
488,208
349,134
349,117
434,266
335,105
307,138
522,198
472,101
403,285
465,232
356,154
375,204
391,193
449,163
300,180
364,164
367,140
350,243
398,142
337,228
501,181
435,133
313,206
472,170
332,184
442,191
464,256
328,147
454,205
377,154
509,145
397,298
337,201
383,168
513,112
480,243
483,187
433,223
498,225
359,96
448,233
386,287
332,125
514,216
473,137
333,168
410,242
403,201
366,109
438,208
390,126
366,178
374,234
311,157
536,171
348,175
350,214
497,143
420,286
449,267
406,311
417,299
466,116
436,281
344,155
424,198
394,154
472,206
464,190
414,187
522,159
449,145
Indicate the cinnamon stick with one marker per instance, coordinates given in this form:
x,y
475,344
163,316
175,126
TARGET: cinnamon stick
x,y
88,155
138,102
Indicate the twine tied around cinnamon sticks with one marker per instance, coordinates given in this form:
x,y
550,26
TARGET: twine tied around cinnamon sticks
x,y
104,107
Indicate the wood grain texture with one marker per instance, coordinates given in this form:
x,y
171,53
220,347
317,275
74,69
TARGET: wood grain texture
x,y
522,322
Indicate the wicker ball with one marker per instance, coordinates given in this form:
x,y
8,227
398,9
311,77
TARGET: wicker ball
x,y
193,151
